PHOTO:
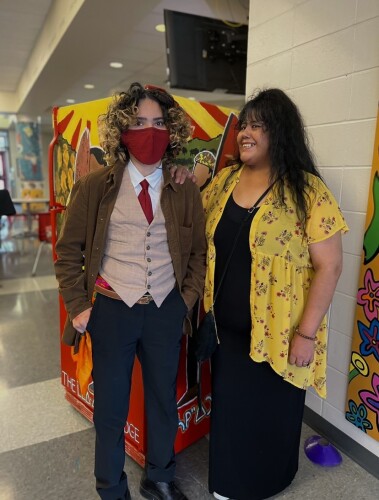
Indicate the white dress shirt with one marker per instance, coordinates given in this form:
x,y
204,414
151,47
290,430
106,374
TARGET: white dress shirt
x,y
155,180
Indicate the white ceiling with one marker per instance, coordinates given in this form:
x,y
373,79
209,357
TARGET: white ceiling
x,y
50,48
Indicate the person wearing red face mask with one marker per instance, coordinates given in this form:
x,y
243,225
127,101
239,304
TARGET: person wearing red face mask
x,y
140,238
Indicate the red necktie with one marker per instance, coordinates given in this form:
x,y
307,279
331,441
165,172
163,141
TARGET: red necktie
x,y
145,201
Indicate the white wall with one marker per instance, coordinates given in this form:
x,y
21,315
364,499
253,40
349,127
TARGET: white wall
x,y
325,54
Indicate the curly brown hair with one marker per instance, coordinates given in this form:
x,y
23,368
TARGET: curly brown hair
x,y
123,111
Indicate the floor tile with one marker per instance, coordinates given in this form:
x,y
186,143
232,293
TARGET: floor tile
x,y
29,337
35,413
22,285
19,263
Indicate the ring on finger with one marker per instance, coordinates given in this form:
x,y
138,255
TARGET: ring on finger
x,y
306,363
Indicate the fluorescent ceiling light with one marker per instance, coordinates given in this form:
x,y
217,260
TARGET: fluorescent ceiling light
x,y
89,86
161,28
116,65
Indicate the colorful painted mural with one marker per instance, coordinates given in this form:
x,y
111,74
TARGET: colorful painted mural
x,y
75,152
29,151
362,408
77,148
29,164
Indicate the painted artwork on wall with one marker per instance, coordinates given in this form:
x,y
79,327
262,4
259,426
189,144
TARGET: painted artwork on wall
x,y
362,407
29,151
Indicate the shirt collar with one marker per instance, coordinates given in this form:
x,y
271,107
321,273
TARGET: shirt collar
x,y
154,179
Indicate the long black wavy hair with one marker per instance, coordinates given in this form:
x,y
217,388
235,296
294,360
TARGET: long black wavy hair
x,y
122,112
289,150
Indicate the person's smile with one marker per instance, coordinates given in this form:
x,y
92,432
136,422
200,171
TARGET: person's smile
x,y
253,143
248,145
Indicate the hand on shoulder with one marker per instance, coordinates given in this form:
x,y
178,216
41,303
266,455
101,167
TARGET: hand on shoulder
x,y
180,174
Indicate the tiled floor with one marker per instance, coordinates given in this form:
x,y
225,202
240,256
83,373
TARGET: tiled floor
x,y
46,447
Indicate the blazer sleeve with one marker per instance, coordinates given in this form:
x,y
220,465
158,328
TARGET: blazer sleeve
x,y
193,282
70,247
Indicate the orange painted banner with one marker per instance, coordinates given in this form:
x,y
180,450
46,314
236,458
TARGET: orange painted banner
x,y
362,407
76,151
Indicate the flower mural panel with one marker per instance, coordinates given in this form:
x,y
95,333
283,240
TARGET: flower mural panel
x,y
362,405
370,338
368,296
371,399
358,416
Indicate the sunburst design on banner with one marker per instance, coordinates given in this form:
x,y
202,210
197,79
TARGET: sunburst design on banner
x,y
208,120
73,120
75,152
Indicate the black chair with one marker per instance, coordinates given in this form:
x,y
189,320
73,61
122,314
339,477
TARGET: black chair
x,y
6,206
6,203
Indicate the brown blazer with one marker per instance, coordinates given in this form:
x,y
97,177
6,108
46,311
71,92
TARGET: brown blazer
x,y
82,239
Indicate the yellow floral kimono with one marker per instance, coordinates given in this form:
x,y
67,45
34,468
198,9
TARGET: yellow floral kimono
x,y
281,271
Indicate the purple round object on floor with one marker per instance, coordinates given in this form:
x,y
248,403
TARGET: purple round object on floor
x,y
321,452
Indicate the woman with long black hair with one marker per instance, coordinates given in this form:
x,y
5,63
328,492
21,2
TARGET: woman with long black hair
x,y
270,310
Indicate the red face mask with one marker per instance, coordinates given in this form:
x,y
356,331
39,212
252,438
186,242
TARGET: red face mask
x,y
148,145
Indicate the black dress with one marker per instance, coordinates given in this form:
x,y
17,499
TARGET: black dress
x,y
256,415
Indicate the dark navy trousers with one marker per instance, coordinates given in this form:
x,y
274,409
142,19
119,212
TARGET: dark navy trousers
x,y
118,333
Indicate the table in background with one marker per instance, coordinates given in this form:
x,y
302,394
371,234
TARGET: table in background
x,y
42,205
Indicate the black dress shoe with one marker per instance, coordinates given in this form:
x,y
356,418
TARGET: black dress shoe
x,y
156,490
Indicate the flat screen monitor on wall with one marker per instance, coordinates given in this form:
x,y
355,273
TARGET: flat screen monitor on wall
x,y
205,54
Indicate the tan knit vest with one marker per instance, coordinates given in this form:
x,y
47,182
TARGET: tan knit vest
x,y
136,257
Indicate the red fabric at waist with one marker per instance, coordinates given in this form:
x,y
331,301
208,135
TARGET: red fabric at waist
x,y
101,286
